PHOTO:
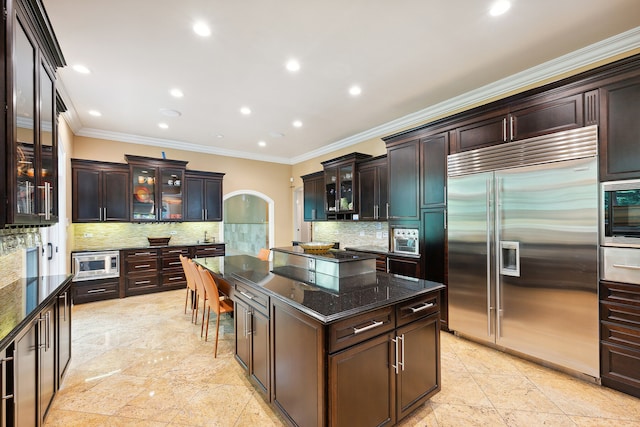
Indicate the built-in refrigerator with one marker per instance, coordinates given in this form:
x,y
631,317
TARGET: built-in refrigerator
x,y
523,247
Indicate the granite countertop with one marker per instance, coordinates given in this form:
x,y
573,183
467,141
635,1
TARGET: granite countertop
x,y
23,299
329,299
170,245
332,255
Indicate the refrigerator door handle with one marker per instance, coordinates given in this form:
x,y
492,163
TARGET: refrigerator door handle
x,y
488,209
497,264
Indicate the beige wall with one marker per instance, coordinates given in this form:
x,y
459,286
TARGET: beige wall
x,y
270,179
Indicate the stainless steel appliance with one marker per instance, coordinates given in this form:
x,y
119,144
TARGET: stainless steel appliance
x,y
621,213
405,241
95,265
523,247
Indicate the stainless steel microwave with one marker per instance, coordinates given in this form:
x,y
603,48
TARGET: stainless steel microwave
x,y
620,219
95,265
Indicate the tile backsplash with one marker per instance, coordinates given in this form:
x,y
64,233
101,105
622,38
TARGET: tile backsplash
x,y
352,233
96,236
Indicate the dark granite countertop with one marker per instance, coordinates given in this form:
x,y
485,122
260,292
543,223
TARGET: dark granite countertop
x,y
23,299
329,299
170,245
332,255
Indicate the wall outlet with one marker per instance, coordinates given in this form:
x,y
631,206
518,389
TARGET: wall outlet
x,y
88,235
378,234
173,232
362,233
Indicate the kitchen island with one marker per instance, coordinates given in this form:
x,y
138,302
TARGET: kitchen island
x,y
362,349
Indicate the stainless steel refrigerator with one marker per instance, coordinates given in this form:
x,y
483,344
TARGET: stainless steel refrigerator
x,y
523,247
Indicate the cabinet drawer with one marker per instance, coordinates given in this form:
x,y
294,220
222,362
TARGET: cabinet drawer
x,y
353,330
95,290
615,333
253,297
622,293
173,279
418,308
142,282
140,254
209,250
623,314
142,266
171,263
174,252
619,368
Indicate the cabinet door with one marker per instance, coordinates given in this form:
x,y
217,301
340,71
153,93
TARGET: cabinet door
x,y
87,195
115,196
242,319
404,266
368,194
6,386
419,377
144,181
48,151
490,129
170,186
434,171
313,190
362,383
46,360
331,190
63,330
383,192
404,172
260,350
213,200
548,117
620,130
194,205
25,387
434,252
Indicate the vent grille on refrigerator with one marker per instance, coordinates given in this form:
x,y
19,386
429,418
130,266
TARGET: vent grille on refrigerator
x,y
567,145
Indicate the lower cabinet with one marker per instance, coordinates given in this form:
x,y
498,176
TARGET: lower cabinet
x,y
620,336
371,369
141,271
95,290
252,335
6,386
63,334
405,266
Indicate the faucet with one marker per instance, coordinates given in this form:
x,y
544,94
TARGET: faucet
x,y
205,237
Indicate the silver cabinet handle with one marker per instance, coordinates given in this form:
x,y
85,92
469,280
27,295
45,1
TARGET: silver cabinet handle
x,y
141,253
387,210
142,282
424,306
367,328
397,364
48,326
143,266
64,312
401,338
202,215
95,291
248,323
630,267
3,370
248,296
511,128
504,130
175,263
175,278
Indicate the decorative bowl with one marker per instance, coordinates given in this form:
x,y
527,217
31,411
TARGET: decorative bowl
x,y
158,241
316,247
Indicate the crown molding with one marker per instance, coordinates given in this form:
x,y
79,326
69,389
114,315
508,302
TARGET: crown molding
x,y
177,145
602,50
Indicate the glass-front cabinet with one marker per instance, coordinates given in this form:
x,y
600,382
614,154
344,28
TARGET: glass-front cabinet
x,y
31,58
340,183
157,186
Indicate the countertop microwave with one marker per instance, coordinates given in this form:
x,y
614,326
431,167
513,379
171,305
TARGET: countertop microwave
x,y
95,265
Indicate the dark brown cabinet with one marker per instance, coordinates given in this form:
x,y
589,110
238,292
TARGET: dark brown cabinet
x,y
252,328
29,144
140,271
95,290
404,180
341,186
203,196
433,157
100,191
434,252
63,334
483,131
171,271
620,130
620,336
405,266
373,189
313,189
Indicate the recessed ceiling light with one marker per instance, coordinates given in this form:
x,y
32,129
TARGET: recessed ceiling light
x,y
170,113
355,90
219,136
262,143
293,65
245,110
95,113
81,69
176,93
499,7
202,29
163,126
297,124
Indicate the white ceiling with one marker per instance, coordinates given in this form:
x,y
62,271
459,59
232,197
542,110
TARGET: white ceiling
x,y
407,55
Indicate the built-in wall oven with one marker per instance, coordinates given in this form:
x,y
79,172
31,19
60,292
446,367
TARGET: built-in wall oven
x,y
405,241
95,265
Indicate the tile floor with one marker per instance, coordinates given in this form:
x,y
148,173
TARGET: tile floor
x,y
140,362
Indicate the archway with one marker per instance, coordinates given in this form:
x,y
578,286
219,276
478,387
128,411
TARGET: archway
x,y
248,222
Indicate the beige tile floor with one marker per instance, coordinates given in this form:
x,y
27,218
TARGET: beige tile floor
x,y
140,362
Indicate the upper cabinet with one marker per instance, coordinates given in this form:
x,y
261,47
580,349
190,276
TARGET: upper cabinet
x,y
620,130
403,160
374,189
100,191
341,185
31,58
157,188
313,189
203,196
